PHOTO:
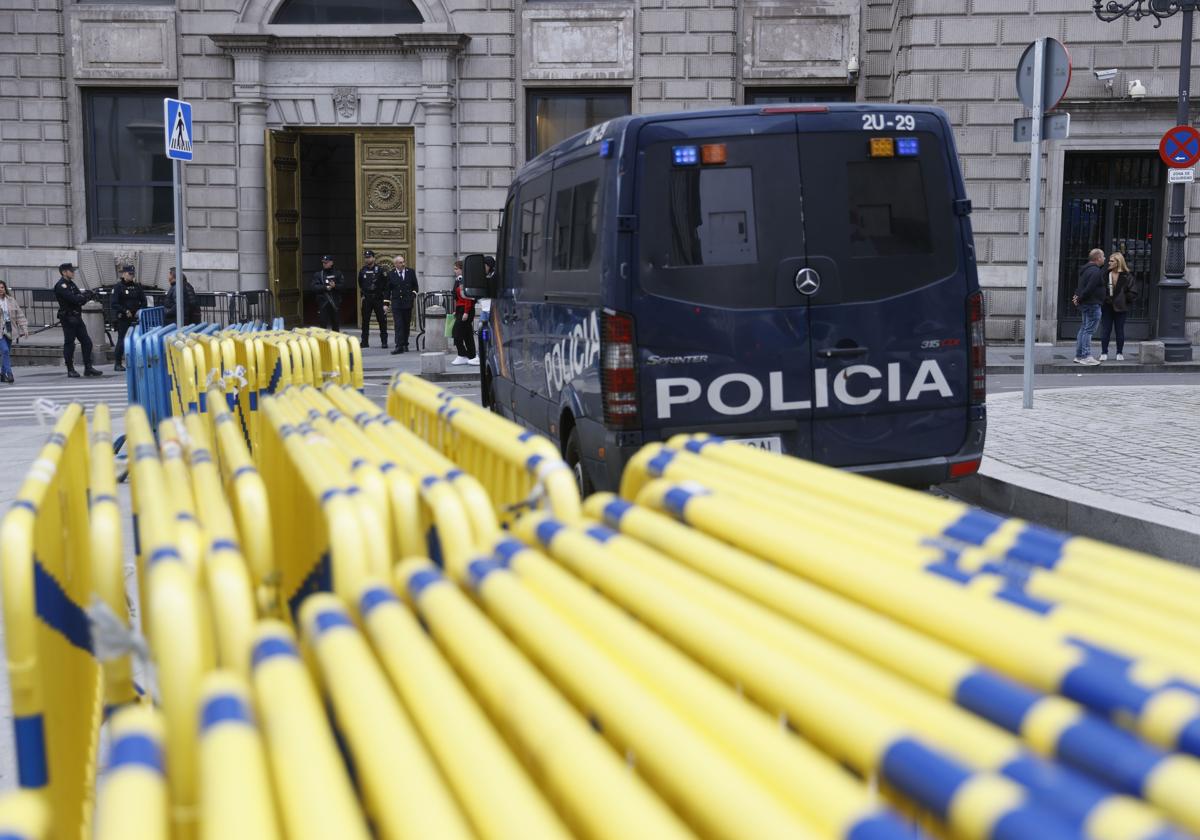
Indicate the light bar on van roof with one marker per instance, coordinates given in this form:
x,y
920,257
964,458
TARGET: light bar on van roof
x,y
685,155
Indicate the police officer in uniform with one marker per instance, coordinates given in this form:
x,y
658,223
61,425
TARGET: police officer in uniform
x,y
127,299
402,285
327,284
71,300
373,286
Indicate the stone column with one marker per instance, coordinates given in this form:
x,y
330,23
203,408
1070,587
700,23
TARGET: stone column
x,y
250,100
439,221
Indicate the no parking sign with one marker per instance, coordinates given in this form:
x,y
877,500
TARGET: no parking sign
x,y
1180,147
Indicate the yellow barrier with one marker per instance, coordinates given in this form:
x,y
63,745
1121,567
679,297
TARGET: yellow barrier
x,y
236,798
519,469
108,566
403,791
133,794
24,816
316,800
935,667
1001,633
175,619
498,797
247,495
597,793
54,678
974,803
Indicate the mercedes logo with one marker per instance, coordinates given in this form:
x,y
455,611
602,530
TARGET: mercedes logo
x,y
807,281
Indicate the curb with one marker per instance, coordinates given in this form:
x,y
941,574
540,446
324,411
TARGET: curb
x,y
1103,367
1009,491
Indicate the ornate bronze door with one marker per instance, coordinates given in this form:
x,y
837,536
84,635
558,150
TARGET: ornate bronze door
x,y
386,194
283,225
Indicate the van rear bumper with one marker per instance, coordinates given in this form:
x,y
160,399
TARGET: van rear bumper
x,y
921,472
925,472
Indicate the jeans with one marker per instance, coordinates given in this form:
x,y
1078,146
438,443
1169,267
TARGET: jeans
x,y
5,350
1110,318
1091,318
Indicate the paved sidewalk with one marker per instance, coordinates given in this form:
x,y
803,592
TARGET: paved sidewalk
x,y
1059,358
1118,464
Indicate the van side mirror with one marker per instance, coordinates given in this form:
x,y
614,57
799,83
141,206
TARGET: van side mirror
x,y
475,282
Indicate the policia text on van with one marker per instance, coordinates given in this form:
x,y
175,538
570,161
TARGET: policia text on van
x,y
798,277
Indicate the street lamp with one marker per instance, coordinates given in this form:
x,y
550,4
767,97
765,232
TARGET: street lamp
x,y
1173,287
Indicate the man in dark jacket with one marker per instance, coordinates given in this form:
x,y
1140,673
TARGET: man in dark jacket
x,y
71,300
373,286
402,285
1089,294
127,299
327,284
191,304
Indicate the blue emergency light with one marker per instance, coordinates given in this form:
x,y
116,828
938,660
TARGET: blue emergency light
x,y
685,155
605,148
907,147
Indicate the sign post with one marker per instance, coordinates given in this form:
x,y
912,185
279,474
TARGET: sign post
x,y
177,132
1043,76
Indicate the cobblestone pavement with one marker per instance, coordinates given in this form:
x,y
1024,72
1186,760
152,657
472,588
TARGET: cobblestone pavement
x,y
1131,443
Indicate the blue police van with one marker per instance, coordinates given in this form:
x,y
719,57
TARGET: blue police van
x,y
798,277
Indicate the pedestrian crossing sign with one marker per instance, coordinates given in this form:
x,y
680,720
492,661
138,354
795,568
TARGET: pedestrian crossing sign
x,y
177,125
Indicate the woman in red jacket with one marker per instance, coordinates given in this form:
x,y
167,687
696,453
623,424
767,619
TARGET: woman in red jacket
x,y
464,313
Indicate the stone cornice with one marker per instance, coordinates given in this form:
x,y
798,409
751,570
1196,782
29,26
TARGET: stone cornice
x,y
422,43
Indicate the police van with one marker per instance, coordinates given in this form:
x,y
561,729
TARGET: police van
x,y
798,277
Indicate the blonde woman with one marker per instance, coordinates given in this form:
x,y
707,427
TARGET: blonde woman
x,y
12,323
1119,296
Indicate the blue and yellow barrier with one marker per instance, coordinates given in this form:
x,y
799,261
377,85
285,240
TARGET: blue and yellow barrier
x,y
45,543
133,794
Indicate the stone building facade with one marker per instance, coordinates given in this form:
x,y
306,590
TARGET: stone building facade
x,y
315,134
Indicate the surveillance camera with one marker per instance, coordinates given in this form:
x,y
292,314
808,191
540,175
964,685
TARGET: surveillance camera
x,y
1106,75
852,65
1137,90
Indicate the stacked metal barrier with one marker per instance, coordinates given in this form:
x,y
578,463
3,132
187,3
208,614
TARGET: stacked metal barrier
x,y
407,624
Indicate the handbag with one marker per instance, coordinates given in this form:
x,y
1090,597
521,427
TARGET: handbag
x,y
450,318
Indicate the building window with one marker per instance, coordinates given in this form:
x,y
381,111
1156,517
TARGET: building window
x,y
347,11
783,95
128,176
555,115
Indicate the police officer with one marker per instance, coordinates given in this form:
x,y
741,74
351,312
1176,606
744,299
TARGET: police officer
x,y
373,286
70,313
402,286
327,284
127,299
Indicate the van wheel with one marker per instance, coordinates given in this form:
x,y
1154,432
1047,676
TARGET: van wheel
x,y
575,462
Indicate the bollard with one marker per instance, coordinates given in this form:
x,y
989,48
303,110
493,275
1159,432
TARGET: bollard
x,y
435,329
433,363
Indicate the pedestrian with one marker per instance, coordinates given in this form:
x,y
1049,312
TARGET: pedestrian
x,y
1089,294
1119,296
328,283
71,300
12,326
464,314
372,285
127,299
403,288
191,304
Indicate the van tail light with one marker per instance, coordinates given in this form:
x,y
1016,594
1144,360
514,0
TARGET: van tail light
x,y
978,349
618,375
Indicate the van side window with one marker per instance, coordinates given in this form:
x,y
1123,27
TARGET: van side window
x,y
576,215
712,217
532,215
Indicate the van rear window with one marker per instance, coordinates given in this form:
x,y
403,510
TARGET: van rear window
x,y
889,216
712,217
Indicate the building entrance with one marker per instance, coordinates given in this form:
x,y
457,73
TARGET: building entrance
x,y
335,192
1114,202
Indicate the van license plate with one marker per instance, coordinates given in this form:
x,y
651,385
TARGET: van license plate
x,y
768,444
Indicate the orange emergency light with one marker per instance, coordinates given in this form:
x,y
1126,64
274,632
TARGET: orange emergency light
x,y
712,153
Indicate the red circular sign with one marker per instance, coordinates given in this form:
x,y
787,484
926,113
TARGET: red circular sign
x,y
1180,147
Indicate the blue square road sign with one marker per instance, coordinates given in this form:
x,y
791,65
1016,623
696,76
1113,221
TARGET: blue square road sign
x,y
177,128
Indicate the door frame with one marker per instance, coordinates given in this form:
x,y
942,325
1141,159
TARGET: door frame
x,y
405,134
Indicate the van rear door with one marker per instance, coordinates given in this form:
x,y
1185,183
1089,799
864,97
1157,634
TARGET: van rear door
x,y
889,319
722,331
